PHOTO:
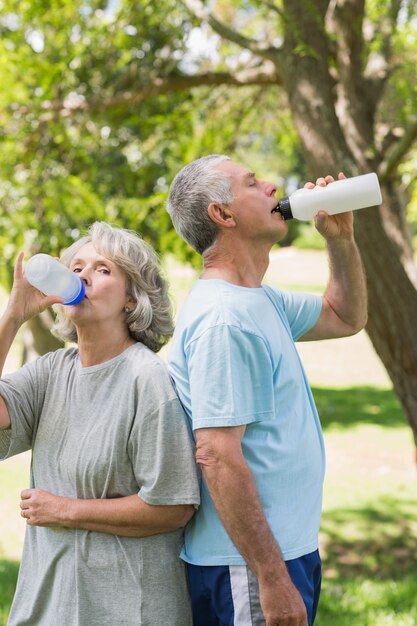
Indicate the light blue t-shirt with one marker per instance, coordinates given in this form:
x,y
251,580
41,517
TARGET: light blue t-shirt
x,y
234,362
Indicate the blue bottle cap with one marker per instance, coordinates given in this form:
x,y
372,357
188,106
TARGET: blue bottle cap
x,y
79,297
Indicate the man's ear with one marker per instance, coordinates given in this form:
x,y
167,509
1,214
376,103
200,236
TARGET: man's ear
x,y
221,215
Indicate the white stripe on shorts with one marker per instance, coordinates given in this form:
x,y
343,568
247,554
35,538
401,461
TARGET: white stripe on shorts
x,y
245,596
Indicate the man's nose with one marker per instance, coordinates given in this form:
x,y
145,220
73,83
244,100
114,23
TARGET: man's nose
x,y
270,188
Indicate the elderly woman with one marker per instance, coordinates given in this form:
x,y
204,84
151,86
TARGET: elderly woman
x,y
113,478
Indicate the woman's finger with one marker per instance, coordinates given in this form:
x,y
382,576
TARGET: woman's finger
x,y
50,300
18,267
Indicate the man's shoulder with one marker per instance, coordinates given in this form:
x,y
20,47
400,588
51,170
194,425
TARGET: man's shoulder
x,y
212,304
209,303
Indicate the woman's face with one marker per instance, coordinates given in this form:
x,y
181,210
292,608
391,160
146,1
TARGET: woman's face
x,y
105,289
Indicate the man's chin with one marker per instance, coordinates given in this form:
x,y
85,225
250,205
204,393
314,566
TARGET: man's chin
x,y
283,231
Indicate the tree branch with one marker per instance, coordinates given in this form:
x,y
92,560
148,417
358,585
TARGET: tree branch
x,y
379,65
274,8
159,87
197,9
398,151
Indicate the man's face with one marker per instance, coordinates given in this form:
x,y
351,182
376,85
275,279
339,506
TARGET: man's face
x,y
253,201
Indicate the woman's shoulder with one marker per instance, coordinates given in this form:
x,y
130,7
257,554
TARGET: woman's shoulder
x,y
148,369
57,358
140,354
140,359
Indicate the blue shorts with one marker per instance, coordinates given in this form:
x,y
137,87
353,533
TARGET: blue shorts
x,y
228,595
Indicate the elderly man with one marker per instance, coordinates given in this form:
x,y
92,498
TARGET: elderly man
x,y
252,548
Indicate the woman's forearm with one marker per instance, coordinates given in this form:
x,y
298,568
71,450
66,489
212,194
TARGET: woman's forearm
x,y
127,516
8,331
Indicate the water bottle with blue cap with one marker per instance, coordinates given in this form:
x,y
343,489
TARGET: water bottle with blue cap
x,y
54,279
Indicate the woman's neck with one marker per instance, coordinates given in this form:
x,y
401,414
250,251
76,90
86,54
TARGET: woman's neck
x,y
96,346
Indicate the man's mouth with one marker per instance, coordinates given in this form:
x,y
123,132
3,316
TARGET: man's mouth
x,y
277,210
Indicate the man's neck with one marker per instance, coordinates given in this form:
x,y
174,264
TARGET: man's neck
x,y
240,266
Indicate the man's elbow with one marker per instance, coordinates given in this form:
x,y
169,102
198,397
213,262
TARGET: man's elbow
x,y
359,324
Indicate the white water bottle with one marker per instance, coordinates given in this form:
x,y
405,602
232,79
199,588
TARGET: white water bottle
x,y
339,196
54,279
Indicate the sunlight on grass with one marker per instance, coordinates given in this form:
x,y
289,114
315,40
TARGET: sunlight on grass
x,y
364,602
341,408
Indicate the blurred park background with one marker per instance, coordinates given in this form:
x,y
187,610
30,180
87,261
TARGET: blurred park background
x,y
101,104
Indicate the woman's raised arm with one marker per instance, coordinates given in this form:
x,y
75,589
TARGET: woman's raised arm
x,y
25,302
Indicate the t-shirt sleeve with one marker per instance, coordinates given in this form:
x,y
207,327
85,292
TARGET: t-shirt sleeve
x,y
231,378
162,453
302,311
24,392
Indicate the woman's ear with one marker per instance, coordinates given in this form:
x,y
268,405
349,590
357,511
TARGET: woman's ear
x,y
130,304
221,215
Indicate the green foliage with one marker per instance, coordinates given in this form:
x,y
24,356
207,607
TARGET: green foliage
x,y
72,151
75,145
64,165
307,238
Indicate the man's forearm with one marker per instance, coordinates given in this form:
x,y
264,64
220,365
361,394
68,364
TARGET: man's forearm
x,y
233,490
346,291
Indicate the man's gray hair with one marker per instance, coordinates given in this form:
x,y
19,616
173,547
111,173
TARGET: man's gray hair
x,y
192,190
150,321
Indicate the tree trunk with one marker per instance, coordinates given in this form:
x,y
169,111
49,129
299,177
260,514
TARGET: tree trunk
x,y
392,308
37,338
381,233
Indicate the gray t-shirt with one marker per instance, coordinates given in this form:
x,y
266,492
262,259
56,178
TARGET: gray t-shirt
x,y
103,431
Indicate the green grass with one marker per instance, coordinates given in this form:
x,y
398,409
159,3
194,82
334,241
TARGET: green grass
x,y
343,408
8,577
366,602
370,563
369,524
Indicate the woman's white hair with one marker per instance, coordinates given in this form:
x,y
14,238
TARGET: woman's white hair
x,y
150,321
194,187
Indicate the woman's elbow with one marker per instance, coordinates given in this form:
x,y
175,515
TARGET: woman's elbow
x,y
182,516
